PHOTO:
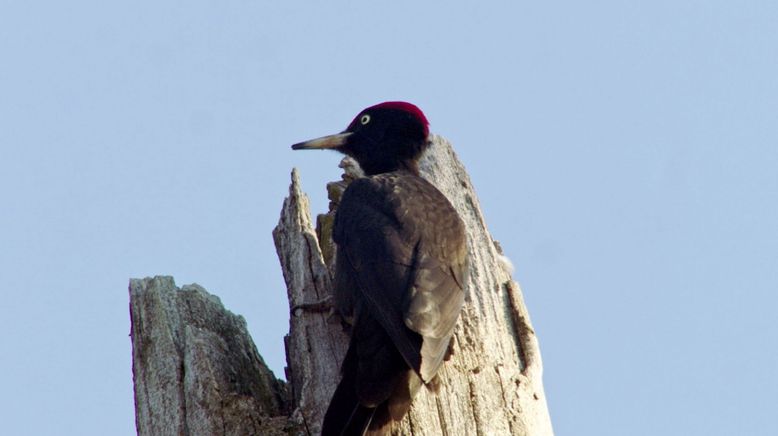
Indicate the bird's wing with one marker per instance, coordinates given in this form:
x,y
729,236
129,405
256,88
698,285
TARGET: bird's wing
x,y
405,251
434,302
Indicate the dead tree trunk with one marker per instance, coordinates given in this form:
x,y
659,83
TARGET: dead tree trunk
x,y
197,372
491,386
195,369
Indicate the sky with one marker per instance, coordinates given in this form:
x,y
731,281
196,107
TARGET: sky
x,y
625,155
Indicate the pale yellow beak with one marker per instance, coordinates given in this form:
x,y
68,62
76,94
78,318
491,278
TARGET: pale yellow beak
x,y
325,142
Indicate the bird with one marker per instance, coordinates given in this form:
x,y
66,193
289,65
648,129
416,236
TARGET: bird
x,y
401,270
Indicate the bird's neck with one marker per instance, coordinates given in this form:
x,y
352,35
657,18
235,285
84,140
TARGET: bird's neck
x,y
412,166
408,166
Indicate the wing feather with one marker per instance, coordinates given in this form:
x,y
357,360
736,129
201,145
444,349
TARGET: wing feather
x,y
402,245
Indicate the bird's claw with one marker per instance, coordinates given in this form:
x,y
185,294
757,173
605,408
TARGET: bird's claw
x,y
321,306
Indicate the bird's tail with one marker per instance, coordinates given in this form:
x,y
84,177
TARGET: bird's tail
x,y
396,407
346,416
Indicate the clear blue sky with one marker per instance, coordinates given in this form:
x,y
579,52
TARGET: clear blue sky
x,y
625,153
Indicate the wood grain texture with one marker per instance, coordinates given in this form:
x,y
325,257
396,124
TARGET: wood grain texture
x,y
195,368
316,342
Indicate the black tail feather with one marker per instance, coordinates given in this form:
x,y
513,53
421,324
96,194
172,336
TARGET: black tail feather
x,y
345,415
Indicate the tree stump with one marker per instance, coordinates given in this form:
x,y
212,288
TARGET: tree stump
x,y
197,372
195,369
492,384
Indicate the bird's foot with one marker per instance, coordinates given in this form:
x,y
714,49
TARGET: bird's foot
x,y
321,306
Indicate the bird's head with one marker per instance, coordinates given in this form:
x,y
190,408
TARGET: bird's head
x,y
382,138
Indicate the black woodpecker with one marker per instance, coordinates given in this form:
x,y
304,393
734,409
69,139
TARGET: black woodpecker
x,y
400,272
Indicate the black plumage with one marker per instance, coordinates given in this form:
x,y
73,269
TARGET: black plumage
x,y
400,273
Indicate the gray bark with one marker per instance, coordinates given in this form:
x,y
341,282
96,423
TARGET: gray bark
x,y
491,386
195,369
315,344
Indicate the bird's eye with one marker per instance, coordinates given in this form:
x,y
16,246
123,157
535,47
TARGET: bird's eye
x,y
365,119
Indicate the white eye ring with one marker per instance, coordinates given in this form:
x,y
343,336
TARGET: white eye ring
x,y
365,119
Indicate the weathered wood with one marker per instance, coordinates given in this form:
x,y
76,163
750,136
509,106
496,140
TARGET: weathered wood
x,y
195,369
316,343
492,384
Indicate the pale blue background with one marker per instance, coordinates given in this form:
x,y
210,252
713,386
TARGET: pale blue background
x,y
624,153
